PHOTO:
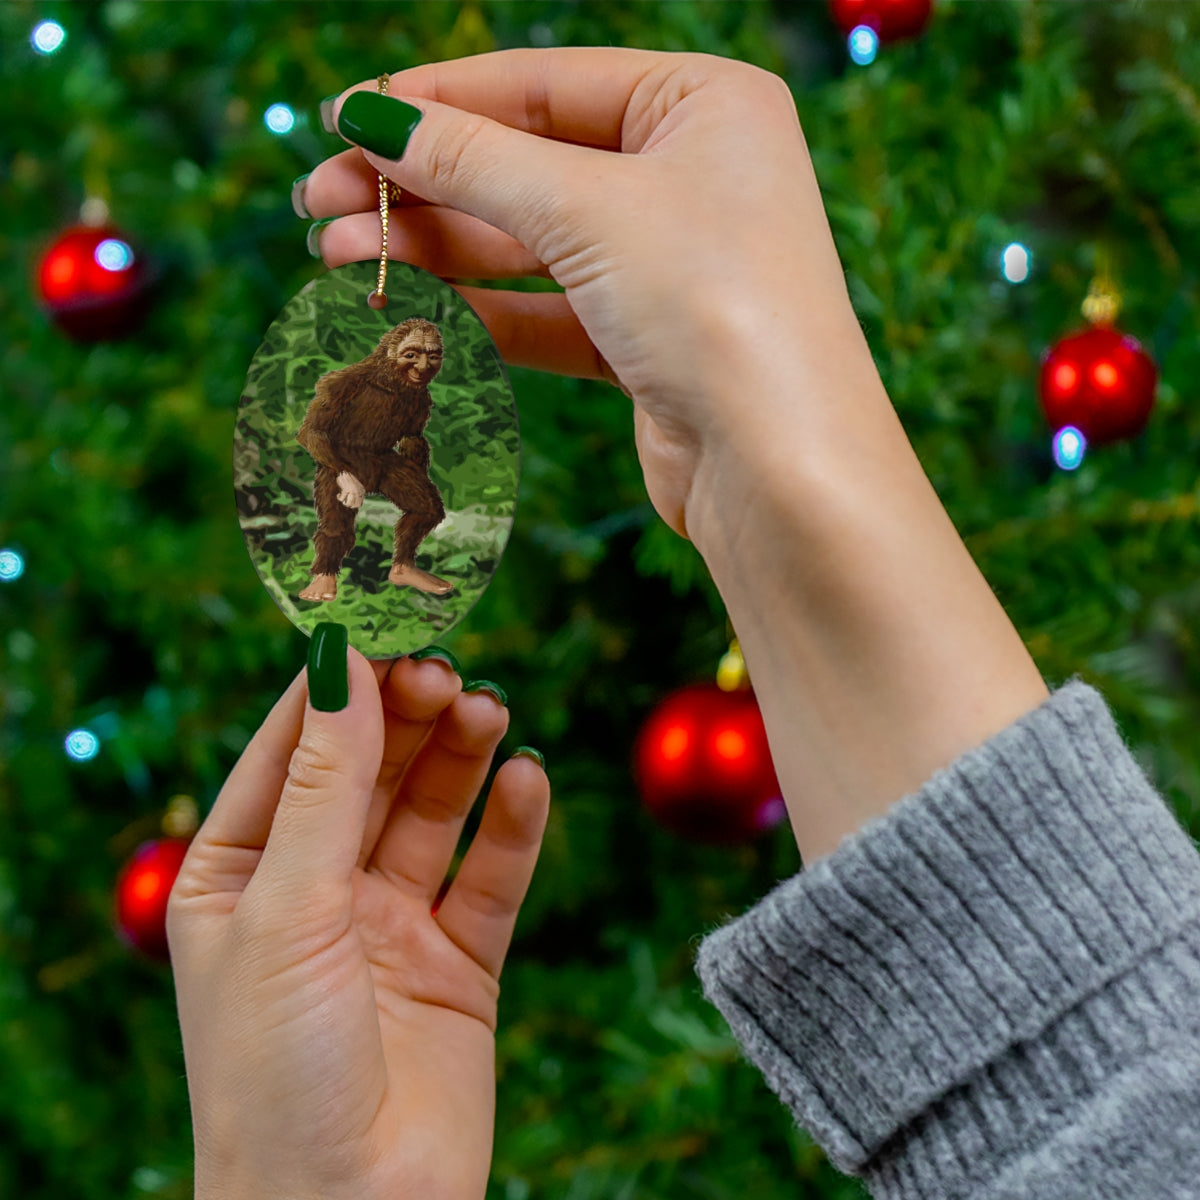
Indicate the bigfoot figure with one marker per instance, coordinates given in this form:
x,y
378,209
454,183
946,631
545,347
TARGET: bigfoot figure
x,y
364,430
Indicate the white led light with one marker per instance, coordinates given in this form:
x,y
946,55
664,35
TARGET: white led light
x,y
863,45
279,119
1069,447
114,255
47,36
82,745
1016,263
12,566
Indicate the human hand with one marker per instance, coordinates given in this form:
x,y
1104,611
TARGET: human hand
x,y
338,1035
690,260
353,493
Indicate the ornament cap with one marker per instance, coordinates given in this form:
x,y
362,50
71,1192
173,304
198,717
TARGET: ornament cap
x,y
732,675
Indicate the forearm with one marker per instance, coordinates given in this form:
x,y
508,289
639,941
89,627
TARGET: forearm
x,y
877,650
318,445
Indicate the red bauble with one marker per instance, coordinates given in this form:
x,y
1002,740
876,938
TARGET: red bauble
x,y
143,889
1100,381
93,283
704,768
892,20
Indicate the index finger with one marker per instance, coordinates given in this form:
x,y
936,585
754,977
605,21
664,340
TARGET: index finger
x,y
577,94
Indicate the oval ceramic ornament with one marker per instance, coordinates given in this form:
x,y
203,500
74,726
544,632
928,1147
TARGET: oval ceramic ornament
x,y
376,459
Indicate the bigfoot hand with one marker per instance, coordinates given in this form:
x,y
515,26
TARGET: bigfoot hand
x,y
339,1039
698,265
353,493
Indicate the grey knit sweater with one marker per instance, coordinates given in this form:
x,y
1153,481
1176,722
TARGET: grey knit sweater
x,y
993,991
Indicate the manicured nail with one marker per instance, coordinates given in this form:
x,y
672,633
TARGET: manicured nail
x,y
313,240
378,123
326,111
328,674
530,752
486,685
437,652
298,205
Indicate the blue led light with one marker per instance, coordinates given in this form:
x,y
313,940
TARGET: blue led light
x,y
1069,447
114,255
12,566
47,36
863,44
82,745
279,119
1015,263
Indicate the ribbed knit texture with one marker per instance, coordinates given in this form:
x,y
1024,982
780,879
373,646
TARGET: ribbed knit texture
x,y
994,989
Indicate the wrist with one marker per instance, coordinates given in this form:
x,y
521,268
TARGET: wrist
x,y
877,650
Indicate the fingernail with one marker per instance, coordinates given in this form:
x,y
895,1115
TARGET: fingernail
x,y
327,113
328,674
437,652
530,752
486,685
378,123
298,205
313,240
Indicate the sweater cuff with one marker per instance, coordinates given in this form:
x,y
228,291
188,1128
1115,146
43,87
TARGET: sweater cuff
x,y
1026,877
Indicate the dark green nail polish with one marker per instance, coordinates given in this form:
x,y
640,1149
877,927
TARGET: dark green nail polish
x,y
530,752
486,685
326,111
437,652
378,123
328,674
298,205
313,240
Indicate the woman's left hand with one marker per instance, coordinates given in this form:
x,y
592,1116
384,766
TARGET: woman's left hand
x,y
339,1033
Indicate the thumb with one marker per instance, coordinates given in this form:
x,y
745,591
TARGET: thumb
x,y
317,831
515,181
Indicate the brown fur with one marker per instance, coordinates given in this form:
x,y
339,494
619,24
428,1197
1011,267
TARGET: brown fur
x,y
368,420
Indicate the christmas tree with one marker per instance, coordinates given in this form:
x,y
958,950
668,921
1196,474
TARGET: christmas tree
x,y
979,177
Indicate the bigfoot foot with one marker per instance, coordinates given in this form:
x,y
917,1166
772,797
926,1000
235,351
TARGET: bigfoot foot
x,y
323,587
406,574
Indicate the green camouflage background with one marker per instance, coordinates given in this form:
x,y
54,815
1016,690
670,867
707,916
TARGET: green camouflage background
x,y
473,441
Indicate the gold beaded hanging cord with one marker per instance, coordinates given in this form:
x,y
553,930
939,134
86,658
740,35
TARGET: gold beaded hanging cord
x,y
389,193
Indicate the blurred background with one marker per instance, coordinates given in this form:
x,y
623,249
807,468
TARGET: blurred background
x,y
985,171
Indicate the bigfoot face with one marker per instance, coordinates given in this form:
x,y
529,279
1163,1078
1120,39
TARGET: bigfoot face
x,y
418,358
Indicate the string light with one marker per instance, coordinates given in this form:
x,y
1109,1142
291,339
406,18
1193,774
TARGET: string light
x,y
1015,263
863,44
82,745
12,566
279,119
1069,447
114,255
47,37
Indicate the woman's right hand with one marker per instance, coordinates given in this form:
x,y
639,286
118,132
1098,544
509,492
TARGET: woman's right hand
x,y
690,259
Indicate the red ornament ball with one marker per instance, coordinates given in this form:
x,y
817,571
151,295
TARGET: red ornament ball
x,y
142,891
93,283
892,20
1101,381
704,769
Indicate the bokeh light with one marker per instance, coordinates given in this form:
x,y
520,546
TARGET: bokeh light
x,y
1015,263
12,566
863,44
114,255
279,119
47,37
1069,447
82,745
